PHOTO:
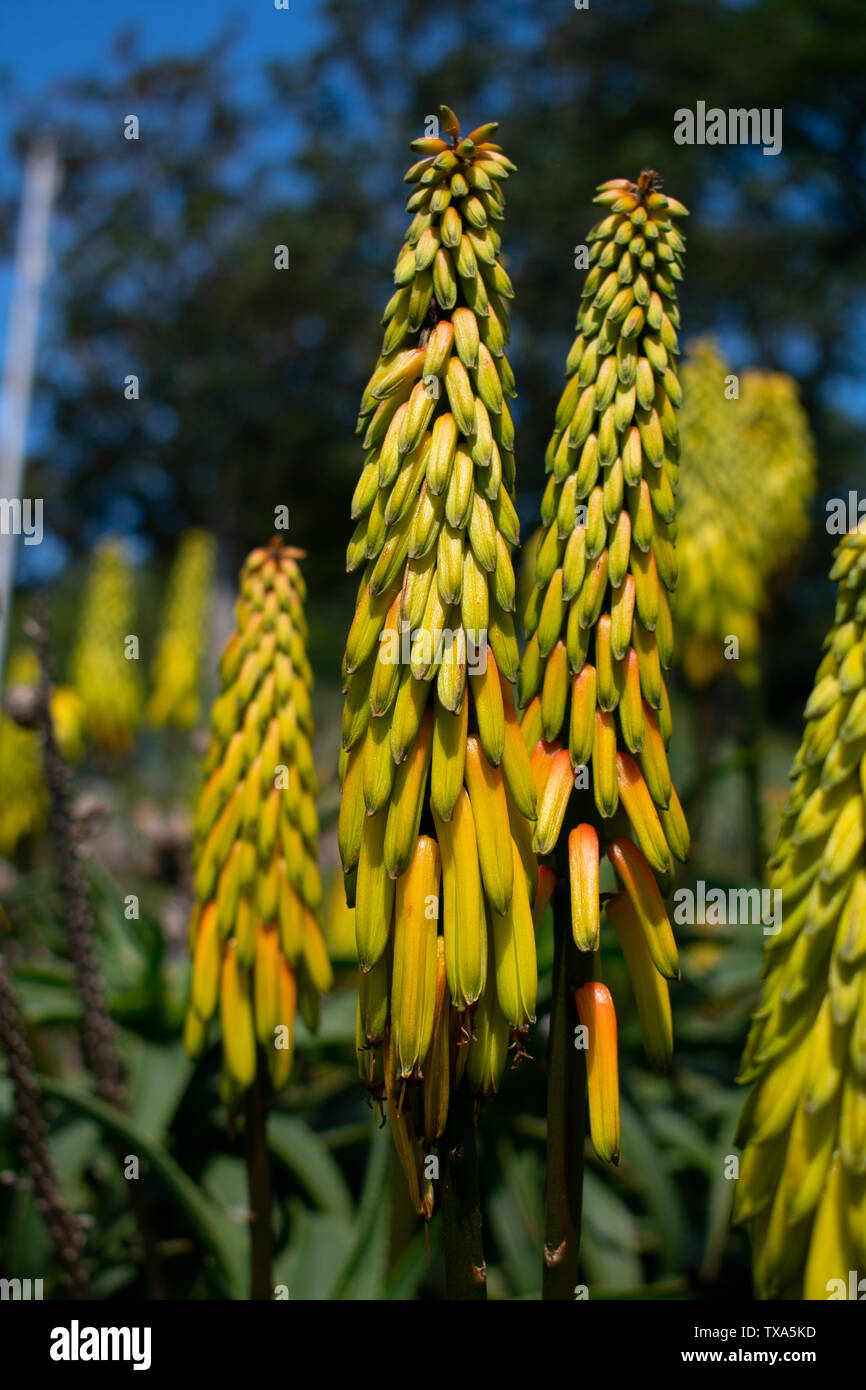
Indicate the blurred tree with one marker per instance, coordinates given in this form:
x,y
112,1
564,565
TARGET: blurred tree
x,y
250,376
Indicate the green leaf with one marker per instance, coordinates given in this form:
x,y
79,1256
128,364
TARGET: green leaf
x,y
293,1143
658,1191
610,1238
216,1235
413,1266
516,1217
159,1075
686,1142
42,1003
363,1273
318,1248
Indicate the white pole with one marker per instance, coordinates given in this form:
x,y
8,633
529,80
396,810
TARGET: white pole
x,y
30,268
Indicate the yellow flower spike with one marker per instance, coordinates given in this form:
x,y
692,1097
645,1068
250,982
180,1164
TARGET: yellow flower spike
x,y
256,879
758,441
803,1127
596,1012
25,804
107,683
177,666
435,528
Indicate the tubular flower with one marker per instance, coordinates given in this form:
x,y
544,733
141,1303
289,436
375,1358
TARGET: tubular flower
x,y
437,786
105,680
754,444
339,923
802,1183
596,606
177,666
25,803
257,947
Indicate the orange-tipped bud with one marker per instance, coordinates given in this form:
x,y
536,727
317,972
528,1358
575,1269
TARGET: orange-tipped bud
x,y
598,1016
583,874
638,880
641,811
543,894
553,801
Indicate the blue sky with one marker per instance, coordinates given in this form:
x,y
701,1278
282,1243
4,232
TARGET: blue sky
x,y
47,41
44,42
41,42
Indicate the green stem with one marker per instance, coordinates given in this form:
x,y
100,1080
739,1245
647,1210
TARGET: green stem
x,y
566,1110
465,1268
261,1193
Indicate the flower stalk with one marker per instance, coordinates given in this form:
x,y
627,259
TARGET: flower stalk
x,y
595,600
66,1235
437,790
